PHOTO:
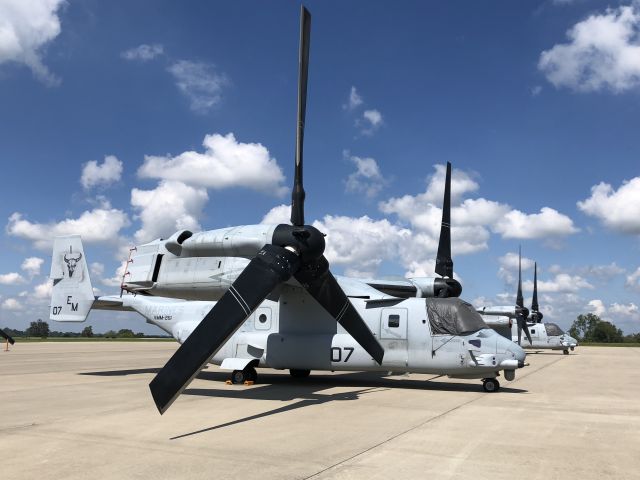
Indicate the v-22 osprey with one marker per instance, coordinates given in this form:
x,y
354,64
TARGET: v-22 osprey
x,y
264,296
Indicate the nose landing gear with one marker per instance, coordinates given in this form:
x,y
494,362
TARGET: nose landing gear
x,y
490,385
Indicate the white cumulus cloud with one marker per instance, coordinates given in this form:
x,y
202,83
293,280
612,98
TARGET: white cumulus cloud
x,y
12,304
561,283
619,209
277,215
597,307
200,83
225,163
603,53
361,244
32,265
26,27
143,52
355,100
106,173
370,121
12,278
548,223
169,207
102,224
367,179
43,290
633,280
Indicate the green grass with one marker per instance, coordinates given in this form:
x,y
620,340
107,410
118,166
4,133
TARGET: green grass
x,y
90,339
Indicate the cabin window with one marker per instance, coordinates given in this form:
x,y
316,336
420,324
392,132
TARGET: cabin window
x,y
262,318
533,331
553,330
394,321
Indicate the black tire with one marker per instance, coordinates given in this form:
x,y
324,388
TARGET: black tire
x,y
490,385
251,374
238,376
566,352
297,373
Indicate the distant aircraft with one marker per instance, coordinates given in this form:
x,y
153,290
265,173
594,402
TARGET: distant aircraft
x,y
540,335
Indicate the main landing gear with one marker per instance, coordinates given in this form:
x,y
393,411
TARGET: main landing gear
x,y
490,384
566,352
249,374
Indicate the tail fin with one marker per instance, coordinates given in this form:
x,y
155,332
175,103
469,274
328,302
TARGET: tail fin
x,y
72,294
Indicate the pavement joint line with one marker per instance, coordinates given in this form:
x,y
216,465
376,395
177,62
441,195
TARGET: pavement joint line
x,y
393,437
415,427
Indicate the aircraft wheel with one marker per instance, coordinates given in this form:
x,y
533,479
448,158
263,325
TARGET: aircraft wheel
x,y
241,376
566,352
573,348
490,384
251,373
297,373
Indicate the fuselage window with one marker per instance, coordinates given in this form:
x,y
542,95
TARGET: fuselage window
x,y
262,318
394,321
533,331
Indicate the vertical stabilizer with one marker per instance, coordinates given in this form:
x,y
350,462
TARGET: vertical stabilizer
x,y
72,294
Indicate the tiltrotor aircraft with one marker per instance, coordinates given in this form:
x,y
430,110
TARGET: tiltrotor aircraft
x,y
268,299
540,335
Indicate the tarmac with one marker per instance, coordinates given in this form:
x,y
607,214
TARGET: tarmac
x,y
83,411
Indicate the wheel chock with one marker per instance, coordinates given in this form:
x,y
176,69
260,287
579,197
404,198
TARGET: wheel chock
x,y
248,383
228,382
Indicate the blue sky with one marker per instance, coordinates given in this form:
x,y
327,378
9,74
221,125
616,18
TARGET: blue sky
x,y
536,104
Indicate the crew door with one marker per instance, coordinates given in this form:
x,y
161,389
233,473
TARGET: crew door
x,y
393,336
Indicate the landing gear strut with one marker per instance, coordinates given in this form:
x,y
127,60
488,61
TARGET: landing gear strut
x,y
240,376
490,384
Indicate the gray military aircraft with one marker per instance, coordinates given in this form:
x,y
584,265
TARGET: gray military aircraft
x,y
270,300
540,335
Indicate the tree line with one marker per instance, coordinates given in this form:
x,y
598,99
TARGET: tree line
x,y
591,328
40,329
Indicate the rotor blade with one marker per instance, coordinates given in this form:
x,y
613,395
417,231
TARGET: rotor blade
x,y
271,266
444,262
534,301
519,323
526,330
519,299
6,336
297,195
322,285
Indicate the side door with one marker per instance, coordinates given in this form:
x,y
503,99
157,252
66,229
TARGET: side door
x,y
393,336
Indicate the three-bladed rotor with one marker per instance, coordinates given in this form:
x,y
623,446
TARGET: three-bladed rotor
x,y
295,250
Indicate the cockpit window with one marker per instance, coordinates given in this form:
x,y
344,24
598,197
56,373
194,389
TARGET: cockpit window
x,y
452,316
553,329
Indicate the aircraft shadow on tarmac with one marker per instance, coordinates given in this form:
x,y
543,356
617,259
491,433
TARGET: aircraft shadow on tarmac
x,y
284,388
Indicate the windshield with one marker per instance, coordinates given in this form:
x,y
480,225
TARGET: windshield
x,y
452,316
553,329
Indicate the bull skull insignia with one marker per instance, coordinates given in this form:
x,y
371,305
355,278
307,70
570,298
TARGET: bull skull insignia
x,y
72,259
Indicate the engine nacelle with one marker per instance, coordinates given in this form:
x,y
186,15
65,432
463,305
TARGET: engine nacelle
x,y
174,243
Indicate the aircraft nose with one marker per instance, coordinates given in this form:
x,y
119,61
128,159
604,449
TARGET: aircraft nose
x,y
506,345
